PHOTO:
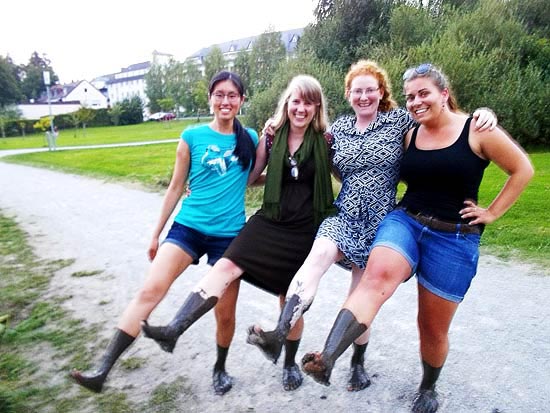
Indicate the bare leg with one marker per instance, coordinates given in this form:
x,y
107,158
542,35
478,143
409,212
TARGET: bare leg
x,y
204,297
386,269
434,320
225,329
292,377
299,297
169,263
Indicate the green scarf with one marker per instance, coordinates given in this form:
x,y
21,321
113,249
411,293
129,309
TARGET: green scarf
x,y
314,144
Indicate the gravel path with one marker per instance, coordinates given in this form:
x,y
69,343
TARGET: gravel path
x,y
500,339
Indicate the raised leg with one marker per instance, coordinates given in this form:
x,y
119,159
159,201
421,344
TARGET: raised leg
x,y
194,307
344,331
300,295
271,342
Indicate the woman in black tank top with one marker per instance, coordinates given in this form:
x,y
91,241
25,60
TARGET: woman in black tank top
x,y
443,166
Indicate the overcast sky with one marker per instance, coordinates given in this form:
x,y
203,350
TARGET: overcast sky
x,y
84,39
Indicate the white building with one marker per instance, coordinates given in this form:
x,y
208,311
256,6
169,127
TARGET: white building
x,y
65,99
232,48
130,81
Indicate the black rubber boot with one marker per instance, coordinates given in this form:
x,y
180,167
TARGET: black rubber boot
x,y
94,381
271,342
292,377
344,331
221,381
359,379
425,400
192,309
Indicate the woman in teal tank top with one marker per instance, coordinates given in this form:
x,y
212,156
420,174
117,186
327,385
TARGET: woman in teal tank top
x,y
216,160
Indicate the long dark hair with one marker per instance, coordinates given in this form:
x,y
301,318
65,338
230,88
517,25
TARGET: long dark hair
x,y
245,149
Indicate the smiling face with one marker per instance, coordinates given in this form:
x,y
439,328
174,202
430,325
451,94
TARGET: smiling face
x,y
424,99
300,112
225,100
364,95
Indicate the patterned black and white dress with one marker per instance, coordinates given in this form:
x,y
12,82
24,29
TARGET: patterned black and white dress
x,y
368,163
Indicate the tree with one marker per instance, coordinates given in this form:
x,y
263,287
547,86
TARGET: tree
x,y
175,86
343,25
85,116
200,97
155,86
241,66
267,53
410,26
132,111
32,83
534,14
8,114
192,77
213,62
9,86
166,104
114,113
263,104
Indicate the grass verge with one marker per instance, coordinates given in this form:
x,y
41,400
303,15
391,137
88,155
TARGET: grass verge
x,y
522,233
40,341
146,131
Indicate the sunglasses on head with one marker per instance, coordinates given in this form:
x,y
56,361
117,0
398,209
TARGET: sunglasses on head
x,y
421,69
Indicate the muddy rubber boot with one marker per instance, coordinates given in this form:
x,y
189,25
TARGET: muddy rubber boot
x,y
425,400
359,379
94,381
221,381
271,342
292,377
192,309
344,331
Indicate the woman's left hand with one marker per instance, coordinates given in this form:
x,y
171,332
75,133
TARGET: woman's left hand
x,y
476,214
485,119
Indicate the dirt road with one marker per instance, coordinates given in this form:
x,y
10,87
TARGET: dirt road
x,y
500,339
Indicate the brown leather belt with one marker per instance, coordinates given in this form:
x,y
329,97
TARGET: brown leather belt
x,y
445,226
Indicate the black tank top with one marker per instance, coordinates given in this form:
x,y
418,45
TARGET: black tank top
x,y
440,180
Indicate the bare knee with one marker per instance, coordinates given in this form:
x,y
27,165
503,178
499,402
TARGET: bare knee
x,y
431,334
227,267
323,251
150,295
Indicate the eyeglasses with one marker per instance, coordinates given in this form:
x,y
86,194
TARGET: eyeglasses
x,y
219,97
421,69
368,91
294,172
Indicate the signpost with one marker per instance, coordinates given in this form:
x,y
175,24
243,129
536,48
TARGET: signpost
x,y
51,135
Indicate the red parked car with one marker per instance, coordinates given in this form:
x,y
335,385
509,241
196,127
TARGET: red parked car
x,y
162,116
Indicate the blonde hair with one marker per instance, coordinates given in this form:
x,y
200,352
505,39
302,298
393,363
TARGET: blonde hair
x,y
371,68
311,91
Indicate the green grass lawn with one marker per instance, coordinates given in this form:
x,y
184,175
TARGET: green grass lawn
x,y
524,232
101,135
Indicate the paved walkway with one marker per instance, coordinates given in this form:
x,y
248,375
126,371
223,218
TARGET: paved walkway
x,y
500,347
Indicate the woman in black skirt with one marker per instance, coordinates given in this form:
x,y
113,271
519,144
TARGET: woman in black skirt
x,y
276,240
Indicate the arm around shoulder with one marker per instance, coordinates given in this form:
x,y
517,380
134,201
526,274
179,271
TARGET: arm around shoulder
x,y
255,177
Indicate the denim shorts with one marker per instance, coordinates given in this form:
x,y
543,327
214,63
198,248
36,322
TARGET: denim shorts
x,y
445,263
196,244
